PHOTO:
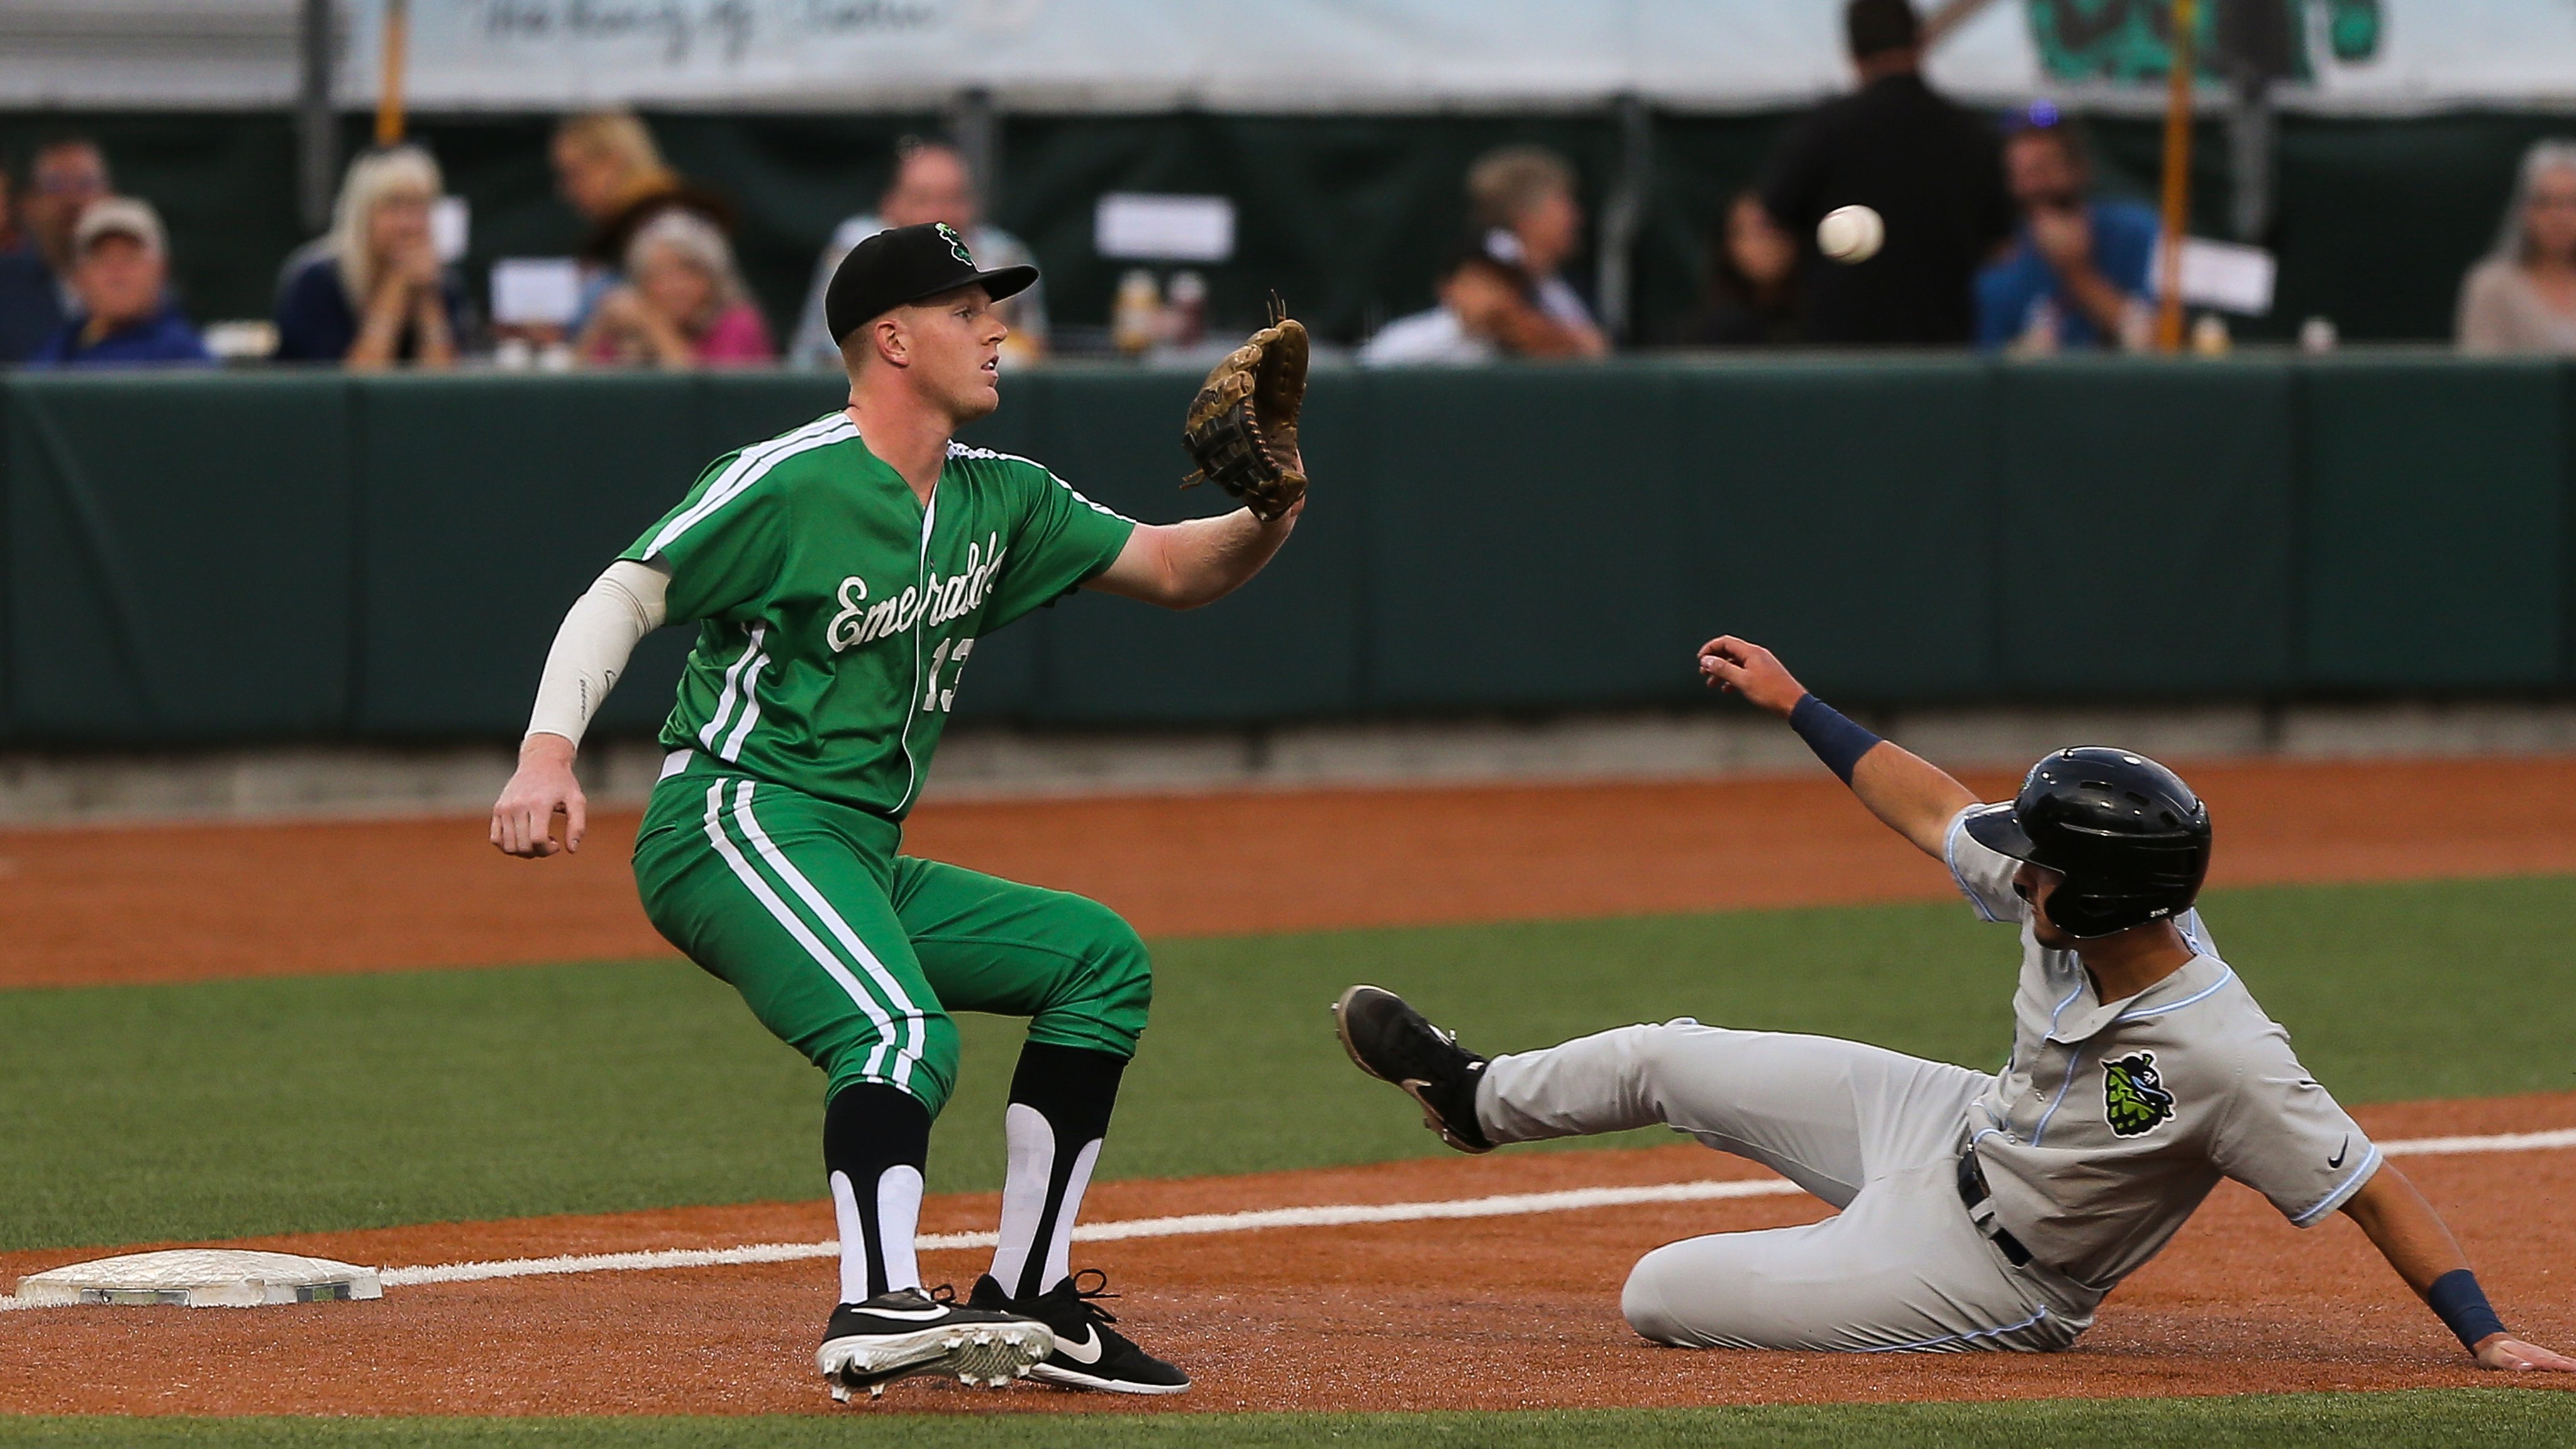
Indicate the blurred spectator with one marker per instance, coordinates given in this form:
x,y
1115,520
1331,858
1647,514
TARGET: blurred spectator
x,y
613,174
68,174
930,183
2522,298
373,292
2077,275
1930,170
682,304
120,280
64,176
1487,309
29,307
608,168
1752,297
1468,278
1522,198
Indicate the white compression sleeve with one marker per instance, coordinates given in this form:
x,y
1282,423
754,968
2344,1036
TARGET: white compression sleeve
x,y
590,650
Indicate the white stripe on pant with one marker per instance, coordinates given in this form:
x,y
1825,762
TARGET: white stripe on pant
x,y
1873,1132
805,937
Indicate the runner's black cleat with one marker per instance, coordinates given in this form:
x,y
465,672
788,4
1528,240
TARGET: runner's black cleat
x,y
1088,1353
1395,1043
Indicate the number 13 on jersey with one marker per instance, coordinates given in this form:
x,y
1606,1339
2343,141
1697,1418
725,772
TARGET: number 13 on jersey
x,y
950,651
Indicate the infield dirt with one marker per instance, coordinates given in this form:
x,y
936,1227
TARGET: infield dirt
x,y
1494,1313
130,904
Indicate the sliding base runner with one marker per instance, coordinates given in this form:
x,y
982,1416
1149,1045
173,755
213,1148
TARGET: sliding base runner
x,y
840,575
1975,1211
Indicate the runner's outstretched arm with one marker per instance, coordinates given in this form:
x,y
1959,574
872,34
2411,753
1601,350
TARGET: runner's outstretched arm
x,y
1914,797
2420,1247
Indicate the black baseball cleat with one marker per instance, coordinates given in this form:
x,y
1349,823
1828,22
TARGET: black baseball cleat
x,y
897,1335
1395,1043
1088,1353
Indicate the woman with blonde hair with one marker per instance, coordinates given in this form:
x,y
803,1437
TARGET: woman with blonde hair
x,y
609,170
2522,297
682,303
373,293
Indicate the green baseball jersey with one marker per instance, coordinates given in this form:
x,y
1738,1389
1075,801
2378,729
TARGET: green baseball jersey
x,y
837,612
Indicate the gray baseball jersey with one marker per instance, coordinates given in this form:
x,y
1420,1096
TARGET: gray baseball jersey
x,y
2111,1123
2115,1118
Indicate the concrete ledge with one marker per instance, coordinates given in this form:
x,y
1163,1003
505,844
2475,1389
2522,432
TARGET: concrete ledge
x,y
988,762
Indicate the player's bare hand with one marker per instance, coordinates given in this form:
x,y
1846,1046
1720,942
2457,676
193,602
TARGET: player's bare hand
x,y
2498,1351
1750,670
543,787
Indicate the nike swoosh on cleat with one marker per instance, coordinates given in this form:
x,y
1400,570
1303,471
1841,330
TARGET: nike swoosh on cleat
x,y
2337,1160
1087,1351
908,1315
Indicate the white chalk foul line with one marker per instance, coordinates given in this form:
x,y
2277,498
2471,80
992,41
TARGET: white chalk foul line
x,y
1185,1225
1329,1216
2502,1142
1326,1216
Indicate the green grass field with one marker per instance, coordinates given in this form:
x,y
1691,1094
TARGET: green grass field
x,y
233,1108
2469,1419
224,1109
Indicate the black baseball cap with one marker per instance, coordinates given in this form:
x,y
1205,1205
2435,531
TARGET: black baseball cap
x,y
902,265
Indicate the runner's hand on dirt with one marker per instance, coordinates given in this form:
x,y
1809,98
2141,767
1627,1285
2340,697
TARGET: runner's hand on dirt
x,y
2500,1351
1752,671
523,818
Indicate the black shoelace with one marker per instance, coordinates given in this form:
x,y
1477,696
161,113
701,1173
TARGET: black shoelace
x,y
1088,1299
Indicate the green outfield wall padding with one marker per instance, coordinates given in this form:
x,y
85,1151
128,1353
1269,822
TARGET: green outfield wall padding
x,y
310,556
2437,512
2144,516
1845,516
180,559
1524,550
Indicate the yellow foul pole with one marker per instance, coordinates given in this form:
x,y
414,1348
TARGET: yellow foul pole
x,y
389,91
2177,209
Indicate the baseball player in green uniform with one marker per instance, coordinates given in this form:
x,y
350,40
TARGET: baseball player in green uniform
x,y
840,575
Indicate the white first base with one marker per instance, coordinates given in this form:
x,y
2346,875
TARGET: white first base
x,y
200,1278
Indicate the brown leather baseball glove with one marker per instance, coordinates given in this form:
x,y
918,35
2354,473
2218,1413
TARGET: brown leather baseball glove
x,y
1242,427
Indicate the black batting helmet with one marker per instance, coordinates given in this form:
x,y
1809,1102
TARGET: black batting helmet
x,y
2127,833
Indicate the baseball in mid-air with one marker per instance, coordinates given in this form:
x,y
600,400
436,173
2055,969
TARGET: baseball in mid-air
x,y
1850,234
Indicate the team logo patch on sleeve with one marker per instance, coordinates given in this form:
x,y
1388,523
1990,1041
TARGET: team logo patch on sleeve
x,y
2134,1099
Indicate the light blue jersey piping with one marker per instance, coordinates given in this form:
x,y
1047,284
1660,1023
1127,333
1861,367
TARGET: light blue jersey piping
x,y
2142,1013
1961,1337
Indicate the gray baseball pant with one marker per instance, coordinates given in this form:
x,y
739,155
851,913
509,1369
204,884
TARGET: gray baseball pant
x,y
1873,1132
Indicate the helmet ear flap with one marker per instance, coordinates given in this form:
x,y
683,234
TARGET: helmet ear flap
x,y
2086,906
2081,908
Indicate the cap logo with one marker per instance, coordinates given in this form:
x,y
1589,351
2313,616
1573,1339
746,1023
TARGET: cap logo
x,y
956,244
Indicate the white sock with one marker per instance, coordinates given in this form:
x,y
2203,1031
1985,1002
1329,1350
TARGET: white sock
x,y
1026,1185
898,1218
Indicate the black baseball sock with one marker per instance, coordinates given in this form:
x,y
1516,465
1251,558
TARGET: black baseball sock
x,y
1060,1102
876,1139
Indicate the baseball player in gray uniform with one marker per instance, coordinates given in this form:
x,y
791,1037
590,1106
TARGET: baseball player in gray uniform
x,y
1977,1210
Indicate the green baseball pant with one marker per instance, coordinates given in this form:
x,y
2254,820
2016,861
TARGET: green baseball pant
x,y
855,955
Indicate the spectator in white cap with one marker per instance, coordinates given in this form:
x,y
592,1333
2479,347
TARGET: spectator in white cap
x,y
120,276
